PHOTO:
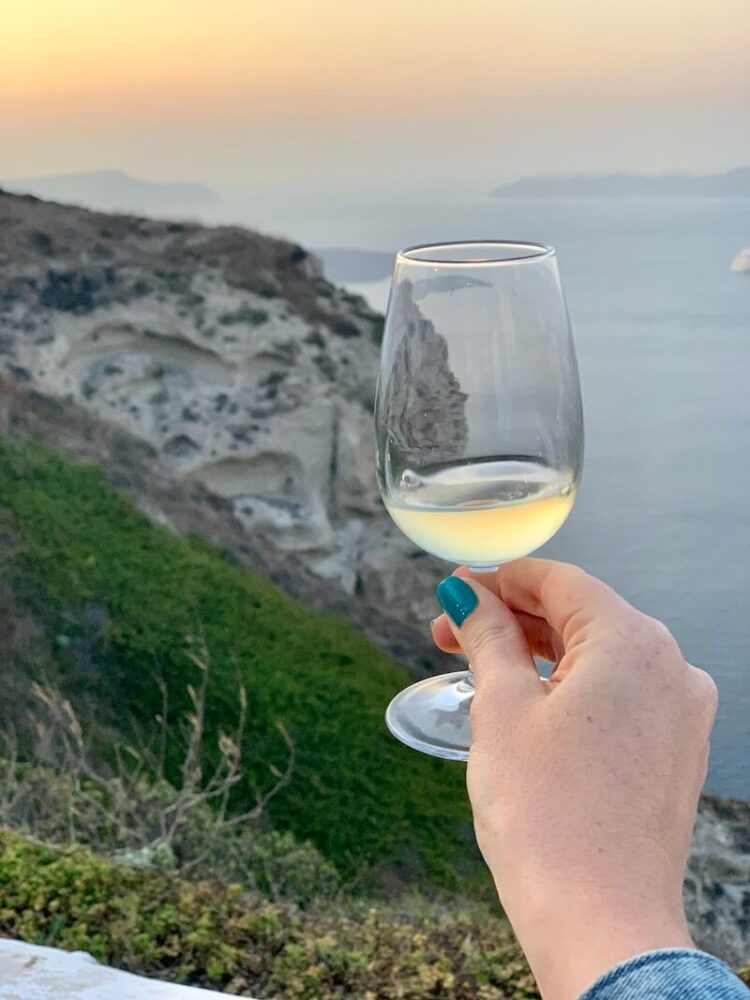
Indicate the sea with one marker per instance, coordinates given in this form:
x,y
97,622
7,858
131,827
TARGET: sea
x,y
662,330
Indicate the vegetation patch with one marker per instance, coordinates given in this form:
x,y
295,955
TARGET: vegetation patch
x,y
117,598
221,937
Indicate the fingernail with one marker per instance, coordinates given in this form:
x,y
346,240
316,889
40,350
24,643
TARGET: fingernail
x,y
457,599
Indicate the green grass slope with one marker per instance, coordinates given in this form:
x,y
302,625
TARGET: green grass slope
x,y
81,554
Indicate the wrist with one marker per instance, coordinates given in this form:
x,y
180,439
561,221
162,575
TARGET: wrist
x,y
572,935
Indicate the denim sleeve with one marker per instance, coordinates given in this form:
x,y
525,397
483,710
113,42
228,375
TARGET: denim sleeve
x,y
669,974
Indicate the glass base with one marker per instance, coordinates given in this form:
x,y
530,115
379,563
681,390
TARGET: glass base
x,y
433,715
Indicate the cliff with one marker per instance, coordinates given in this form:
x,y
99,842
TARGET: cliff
x,y
236,372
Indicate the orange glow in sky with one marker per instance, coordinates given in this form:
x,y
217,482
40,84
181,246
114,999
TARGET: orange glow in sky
x,y
78,71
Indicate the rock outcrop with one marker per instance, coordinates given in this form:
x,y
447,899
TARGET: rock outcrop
x,y
717,885
186,506
238,367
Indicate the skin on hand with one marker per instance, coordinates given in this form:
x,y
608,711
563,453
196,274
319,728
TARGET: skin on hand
x,y
585,788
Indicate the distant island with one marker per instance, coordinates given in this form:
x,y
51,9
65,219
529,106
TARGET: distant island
x,y
117,191
347,264
732,184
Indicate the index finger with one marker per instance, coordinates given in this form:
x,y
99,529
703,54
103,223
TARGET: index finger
x,y
563,594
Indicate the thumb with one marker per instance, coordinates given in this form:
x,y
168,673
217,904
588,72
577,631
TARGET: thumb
x,y
487,631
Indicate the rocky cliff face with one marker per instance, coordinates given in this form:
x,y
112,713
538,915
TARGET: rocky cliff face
x,y
717,885
234,360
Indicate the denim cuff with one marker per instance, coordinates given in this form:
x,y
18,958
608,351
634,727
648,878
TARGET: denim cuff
x,y
668,974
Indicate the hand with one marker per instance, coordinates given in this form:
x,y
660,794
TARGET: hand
x,y
584,788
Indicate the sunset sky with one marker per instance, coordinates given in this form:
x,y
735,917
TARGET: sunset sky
x,y
355,93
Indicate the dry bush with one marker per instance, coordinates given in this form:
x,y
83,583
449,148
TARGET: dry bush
x,y
63,794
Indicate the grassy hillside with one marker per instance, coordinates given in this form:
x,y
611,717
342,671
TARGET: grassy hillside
x,y
118,596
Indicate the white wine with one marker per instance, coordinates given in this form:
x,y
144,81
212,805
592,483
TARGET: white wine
x,y
482,513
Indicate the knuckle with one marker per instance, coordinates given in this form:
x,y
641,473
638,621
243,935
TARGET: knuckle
x,y
705,689
489,635
571,574
565,580
657,634
575,579
652,646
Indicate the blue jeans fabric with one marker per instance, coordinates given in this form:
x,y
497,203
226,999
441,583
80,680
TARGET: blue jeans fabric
x,y
669,974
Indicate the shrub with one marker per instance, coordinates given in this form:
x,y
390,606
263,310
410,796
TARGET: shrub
x,y
63,811
217,936
136,816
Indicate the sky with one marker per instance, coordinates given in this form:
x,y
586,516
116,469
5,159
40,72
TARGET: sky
x,y
359,95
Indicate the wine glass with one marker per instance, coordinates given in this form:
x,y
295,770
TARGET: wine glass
x,y
479,430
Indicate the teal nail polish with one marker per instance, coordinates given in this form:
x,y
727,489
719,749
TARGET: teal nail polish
x,y
457,598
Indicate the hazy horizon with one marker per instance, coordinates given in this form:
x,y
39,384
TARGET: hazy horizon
x,y
332,98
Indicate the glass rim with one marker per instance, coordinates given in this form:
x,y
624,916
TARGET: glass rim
x,y
527,252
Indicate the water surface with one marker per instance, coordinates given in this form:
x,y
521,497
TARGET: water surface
x,y
662,328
